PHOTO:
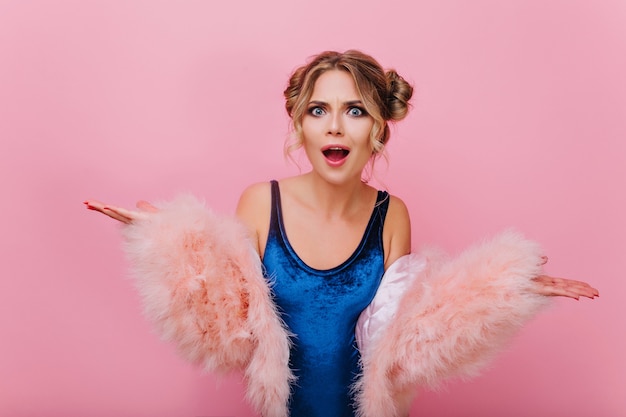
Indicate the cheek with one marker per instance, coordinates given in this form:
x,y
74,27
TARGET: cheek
x,y
364,133
309,126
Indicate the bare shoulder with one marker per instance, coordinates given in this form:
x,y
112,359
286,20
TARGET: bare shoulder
x,y
398,218
254,194
397,207
254,209
397,231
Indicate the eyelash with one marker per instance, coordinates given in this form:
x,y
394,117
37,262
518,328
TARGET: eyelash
x,y
362,111
312,110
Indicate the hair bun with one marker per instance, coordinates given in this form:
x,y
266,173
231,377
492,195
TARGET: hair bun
x,y
399,92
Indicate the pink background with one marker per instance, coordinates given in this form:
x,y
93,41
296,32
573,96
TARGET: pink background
x,y
519,120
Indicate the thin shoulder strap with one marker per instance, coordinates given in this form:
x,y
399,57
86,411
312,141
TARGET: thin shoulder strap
x,y
274,216
382,205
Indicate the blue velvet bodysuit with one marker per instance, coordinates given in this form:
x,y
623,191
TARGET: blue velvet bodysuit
x,y
321,308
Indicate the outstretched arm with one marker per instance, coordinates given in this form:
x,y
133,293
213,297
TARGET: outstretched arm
x,y
453,316
202,286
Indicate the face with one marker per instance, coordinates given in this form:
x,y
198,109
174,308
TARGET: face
x,y
336,128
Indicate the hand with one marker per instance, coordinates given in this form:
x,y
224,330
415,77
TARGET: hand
x,y
551,286
121,214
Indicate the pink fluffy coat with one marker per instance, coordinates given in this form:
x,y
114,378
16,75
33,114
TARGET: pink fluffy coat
x,y
202,285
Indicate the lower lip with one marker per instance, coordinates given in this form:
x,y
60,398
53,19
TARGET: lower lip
x,y
336,163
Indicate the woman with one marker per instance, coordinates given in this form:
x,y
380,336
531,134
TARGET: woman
x,y
322,242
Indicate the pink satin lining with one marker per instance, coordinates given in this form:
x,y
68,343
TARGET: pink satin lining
x,y
378,314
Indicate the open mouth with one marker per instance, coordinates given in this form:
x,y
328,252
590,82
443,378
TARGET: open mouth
x,y
335,153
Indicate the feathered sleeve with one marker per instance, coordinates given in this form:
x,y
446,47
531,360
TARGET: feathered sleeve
x,y
202,286
453,317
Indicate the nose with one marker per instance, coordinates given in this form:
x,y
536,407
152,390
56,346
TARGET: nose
x,y
335,124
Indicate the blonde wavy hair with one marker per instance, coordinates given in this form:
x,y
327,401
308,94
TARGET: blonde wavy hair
x,y
385,94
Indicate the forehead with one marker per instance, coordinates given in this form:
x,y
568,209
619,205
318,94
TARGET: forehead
x,y
335,85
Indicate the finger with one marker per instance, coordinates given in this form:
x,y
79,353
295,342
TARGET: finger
x,y
582,287
98,206
586,291
94,204
586,288
117,216
554,291
563,281
130,215
551,286
570,281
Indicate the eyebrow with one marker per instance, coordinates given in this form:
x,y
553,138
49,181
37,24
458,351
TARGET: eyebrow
x,y
347,103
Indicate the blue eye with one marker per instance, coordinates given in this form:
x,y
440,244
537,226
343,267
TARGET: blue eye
x,y
356,111
316,111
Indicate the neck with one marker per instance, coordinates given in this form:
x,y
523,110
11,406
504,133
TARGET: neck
x,y
336,200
